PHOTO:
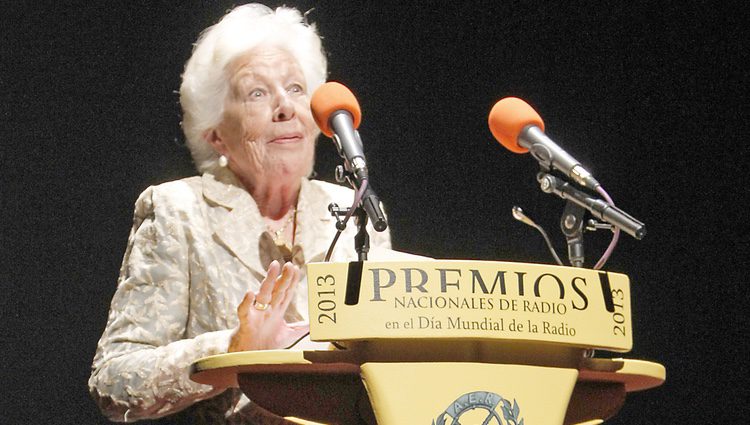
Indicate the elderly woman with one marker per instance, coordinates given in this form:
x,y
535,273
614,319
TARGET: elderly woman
x,y
202,271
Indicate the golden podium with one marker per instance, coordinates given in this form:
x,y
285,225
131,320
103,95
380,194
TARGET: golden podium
x,y
445,342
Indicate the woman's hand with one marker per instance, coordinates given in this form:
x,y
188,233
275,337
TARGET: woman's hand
x,y
261,316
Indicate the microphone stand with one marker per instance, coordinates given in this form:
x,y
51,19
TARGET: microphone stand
x,y
362,238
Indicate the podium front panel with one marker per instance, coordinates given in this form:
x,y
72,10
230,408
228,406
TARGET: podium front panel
x,y
469,393
469,299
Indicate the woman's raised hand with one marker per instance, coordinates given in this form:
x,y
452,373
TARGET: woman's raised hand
x,y
261,316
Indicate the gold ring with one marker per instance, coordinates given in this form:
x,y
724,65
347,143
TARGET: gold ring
x,y
260,306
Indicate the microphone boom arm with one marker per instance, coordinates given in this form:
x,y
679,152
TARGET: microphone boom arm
x,y
597,207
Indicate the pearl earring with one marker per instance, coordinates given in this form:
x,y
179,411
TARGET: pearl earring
x,y
223,161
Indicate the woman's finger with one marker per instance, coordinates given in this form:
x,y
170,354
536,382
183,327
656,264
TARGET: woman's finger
x,y
290,276
244,308
265,295
287,278
290,290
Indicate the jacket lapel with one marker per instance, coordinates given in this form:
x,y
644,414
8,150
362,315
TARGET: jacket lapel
x,y
234,217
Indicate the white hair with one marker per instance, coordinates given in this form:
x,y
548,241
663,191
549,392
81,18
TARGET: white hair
x,y
205,82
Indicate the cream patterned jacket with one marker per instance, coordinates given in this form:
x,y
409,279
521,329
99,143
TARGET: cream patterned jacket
x,y
192,254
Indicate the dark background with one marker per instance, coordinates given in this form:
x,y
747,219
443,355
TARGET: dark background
x,y
651,96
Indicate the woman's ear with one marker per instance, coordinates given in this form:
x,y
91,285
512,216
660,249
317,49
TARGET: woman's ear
x,y
214,139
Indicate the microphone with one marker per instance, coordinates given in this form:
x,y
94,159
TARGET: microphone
x,y
337,113
519,128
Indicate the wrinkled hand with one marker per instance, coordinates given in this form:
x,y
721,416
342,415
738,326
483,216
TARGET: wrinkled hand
x,y
261,316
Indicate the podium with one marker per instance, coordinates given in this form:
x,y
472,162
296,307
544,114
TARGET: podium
x,y
448,342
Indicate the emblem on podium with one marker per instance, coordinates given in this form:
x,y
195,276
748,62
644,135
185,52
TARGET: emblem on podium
x,y
483,400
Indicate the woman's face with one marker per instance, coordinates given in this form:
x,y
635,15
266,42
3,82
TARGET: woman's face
x,y
267,131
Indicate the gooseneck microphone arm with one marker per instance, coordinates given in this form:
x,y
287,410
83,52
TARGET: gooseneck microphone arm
x,y
597,207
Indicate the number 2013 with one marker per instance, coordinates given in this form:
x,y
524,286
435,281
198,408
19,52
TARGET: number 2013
x,y
326,305
618,317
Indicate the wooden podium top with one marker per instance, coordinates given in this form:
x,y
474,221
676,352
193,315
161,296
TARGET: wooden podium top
x,y
221,370
636,375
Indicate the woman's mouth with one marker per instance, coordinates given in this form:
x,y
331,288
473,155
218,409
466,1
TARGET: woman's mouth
x,y
287,138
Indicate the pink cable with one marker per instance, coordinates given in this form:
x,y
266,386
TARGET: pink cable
x,y
615,234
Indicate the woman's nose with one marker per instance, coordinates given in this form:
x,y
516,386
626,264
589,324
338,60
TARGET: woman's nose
x,y
284,108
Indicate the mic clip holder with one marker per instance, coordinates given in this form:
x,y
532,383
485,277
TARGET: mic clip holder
x,y
571,224
369,201
338,212
361,239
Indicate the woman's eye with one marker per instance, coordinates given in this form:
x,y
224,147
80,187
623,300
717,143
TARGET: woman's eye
x,y
296,88
256,94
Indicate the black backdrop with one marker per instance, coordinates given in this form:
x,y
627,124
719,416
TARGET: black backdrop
x,y
650,96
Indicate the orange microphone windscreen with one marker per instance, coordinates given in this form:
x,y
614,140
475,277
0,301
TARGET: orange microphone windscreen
x,y
508,117
332,97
